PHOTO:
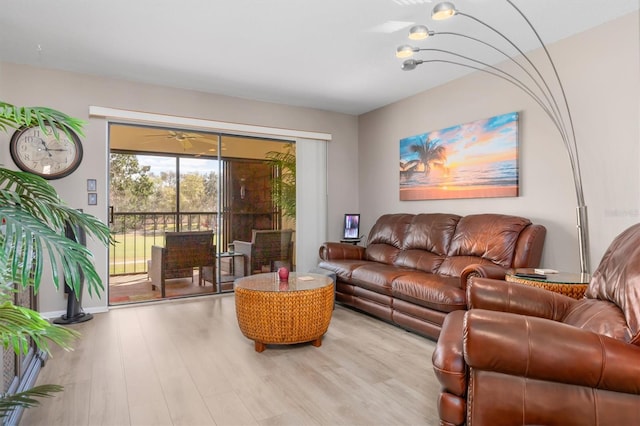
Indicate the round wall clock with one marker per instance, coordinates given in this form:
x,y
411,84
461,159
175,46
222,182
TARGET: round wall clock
x,y
42,154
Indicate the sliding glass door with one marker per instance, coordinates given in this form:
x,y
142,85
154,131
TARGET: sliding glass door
x,y
168,180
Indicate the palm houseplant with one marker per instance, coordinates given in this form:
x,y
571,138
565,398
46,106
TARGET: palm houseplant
x,y
32,233
283,183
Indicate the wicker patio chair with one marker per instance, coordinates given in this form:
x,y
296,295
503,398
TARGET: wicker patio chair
x,y
266,247
183,251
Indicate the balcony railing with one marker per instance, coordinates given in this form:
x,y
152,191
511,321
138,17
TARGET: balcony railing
x,y
135,233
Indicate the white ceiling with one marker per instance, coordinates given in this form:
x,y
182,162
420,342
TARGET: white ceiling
x,y
333,55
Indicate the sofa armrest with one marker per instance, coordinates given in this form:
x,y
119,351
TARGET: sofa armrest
x,y
528,251
540,349
495,272
448,357
506,296
335,251
451,370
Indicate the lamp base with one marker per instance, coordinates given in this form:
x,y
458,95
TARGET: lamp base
x,y
81,317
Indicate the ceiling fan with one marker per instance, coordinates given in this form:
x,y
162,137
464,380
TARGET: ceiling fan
x,y
198,144
183,137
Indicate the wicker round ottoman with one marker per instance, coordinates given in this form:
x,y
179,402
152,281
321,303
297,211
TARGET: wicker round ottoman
x,y
271,311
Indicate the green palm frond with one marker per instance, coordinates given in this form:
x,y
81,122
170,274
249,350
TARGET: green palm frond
x,y
12,116
35,195
19,324
35,218
283,185
26,399
27,191
24,243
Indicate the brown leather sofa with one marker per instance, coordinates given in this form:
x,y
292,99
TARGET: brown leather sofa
x,y
525,355
414,268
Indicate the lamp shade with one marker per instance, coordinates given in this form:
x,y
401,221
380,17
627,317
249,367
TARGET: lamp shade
x,y
404,51
444,10
410,64
419,32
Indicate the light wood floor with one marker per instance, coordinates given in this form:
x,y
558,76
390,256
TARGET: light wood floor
x,y
187,363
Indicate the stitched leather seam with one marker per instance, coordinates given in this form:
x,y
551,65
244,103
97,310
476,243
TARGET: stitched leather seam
x,y
603,363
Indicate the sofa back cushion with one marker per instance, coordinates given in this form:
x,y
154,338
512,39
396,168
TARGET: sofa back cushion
x,y
617,279
427,241
387,237
483,238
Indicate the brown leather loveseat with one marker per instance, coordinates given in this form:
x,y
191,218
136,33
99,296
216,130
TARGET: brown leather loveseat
x,y
414,268
525,355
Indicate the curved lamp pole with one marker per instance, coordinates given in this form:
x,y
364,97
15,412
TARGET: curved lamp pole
x,y
560,116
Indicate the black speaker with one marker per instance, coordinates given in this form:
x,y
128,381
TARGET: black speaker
x,y
74,313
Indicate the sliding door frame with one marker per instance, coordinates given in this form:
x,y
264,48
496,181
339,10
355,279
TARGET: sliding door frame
x,y
307,236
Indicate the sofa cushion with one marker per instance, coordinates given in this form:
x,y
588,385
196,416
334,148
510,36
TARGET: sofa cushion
x,y
427,241
432,232
382,253
387,237
420,260
376,276
491,237
430,290
342,268
618,281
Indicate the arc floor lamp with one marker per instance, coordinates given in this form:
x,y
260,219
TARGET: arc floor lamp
x,y
527,77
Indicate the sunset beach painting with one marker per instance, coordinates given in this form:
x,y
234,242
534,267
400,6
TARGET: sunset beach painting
x,y
472,160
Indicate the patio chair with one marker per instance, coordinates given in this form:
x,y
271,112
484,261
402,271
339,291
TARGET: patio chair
x,y
182,252
267,246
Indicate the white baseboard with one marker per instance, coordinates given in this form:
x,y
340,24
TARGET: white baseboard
x,y
57,314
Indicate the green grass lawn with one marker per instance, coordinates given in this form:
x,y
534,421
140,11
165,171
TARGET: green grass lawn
x,y
131,252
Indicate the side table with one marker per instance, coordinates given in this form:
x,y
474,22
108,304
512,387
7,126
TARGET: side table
x,y
231,267
567,283
232,263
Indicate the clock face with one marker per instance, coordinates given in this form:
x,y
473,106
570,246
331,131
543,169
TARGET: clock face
x,y
43,154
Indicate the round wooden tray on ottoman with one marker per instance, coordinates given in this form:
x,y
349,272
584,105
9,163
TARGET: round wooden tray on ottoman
x,y
271,311
570,284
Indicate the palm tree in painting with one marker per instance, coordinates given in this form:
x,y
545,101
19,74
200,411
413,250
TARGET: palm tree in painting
x,y
430,154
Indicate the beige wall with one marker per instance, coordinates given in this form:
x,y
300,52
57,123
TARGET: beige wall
x,y
74,93
600,71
